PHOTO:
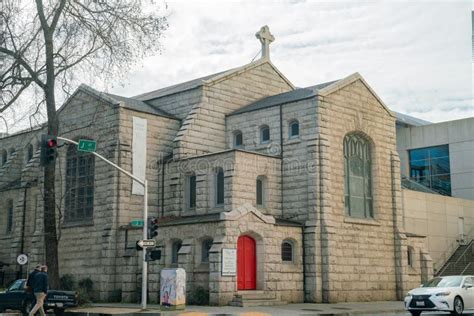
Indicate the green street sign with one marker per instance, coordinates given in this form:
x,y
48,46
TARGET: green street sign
x,y
137,223
87,145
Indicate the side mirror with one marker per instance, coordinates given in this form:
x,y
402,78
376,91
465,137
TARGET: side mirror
x,y
467,285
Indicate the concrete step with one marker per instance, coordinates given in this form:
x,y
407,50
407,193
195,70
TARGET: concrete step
x,y
255,298
255,295
251,303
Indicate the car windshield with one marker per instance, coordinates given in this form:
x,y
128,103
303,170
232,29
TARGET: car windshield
x,y
450,281
17,285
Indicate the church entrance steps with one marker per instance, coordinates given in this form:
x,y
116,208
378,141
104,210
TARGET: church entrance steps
x,y
255,298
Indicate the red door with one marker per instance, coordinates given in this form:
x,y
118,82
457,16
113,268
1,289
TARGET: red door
x,y
246,264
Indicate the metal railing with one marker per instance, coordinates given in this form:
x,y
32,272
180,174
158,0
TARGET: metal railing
x,y
453,246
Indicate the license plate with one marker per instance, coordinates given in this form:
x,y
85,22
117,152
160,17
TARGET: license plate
x,y
59,304
420,303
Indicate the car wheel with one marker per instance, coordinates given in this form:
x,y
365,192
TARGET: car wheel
x,y
27,307
415,313
458,306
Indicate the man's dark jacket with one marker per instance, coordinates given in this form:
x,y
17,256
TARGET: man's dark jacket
x,y
31,278
40,283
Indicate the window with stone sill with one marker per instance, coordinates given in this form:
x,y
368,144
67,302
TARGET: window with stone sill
x,y
219,187
264,134
287,251
260,190
294,129
190,191
80,173
205,247
9,227
4,157
410,258
357,176
238,139
175,247
29,153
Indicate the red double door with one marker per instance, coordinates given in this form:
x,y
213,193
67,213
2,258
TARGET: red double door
x,y
246,263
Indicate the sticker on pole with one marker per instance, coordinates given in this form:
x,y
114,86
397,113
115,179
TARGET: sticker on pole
x,y
22,259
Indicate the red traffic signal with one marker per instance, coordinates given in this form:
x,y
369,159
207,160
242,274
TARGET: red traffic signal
x,y
49,149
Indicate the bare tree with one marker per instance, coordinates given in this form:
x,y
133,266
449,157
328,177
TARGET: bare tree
x,y
47,43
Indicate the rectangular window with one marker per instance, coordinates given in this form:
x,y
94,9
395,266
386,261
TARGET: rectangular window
x,y
191,191
430,167
9,217
259,192
220,187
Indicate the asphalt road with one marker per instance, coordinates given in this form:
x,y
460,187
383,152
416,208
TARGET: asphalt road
x,y
423,314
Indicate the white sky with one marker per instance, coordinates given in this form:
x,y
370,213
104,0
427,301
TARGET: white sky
x,y
416,55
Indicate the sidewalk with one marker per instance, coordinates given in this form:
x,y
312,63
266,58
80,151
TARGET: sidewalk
x,y
339,309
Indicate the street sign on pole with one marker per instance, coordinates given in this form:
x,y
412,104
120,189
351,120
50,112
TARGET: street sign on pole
x,y
137,222
87,145
146,243
22,259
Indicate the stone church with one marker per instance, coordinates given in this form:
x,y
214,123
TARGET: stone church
x,y
302,183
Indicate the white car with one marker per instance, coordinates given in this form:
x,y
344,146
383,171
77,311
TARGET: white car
x,y
452,294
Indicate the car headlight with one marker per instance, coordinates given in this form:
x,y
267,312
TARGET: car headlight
x,y
408,294
443,293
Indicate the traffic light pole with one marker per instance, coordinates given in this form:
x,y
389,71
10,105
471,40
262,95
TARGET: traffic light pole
x,y
144,183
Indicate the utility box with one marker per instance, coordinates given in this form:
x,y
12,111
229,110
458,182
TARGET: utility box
x,y
173,289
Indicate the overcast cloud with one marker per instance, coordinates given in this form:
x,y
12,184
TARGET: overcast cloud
x,y
416,56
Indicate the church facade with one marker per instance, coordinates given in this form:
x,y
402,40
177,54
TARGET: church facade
x,y
302,185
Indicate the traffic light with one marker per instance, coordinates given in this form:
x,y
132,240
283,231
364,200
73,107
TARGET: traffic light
x,y
49,149
152,227
153,254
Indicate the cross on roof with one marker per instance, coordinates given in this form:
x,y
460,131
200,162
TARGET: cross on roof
x,y
265,38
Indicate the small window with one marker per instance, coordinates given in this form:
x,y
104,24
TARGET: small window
x,y
4,157
206,246
410,257
238,139
191,191
287,251
264,134
220,187
260,188
174,251
294,129
9,227
29,153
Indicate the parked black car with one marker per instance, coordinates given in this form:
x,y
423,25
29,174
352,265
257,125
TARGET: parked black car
x,y
16,298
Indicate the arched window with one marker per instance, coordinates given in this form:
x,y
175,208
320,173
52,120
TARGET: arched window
x,y
261,188
264,134
287,251
238,139
175,247
191,191
80,169
358,176
29,152
219,186
294,129
205,247
9,226
4,157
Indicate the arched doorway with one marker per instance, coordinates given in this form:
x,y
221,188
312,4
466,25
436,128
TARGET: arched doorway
x,y
246,263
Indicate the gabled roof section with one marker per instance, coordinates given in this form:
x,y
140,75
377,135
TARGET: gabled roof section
x,y
243,210
286,97
410,120
208,81
348,80
322,89
112,99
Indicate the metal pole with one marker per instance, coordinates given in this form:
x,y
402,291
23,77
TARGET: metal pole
x,y
145,236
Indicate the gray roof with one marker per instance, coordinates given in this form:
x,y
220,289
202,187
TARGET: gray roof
x,y
286,97
140,106
188,85
410,120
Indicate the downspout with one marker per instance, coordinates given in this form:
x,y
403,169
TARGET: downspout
x,y
304,264
281,158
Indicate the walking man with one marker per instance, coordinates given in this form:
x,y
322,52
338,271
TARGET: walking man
x,y
40,288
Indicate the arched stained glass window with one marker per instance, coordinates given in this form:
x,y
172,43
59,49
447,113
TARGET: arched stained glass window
x,y
357,176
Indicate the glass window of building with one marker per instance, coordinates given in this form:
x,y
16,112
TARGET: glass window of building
x,y
287,251
191,191
4,157
430,167
9,227
238,139
294,129
260,191
176,246
357,176
264,134
206,246
220,187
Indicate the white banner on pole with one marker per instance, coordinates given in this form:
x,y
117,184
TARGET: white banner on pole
x,y
139,142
